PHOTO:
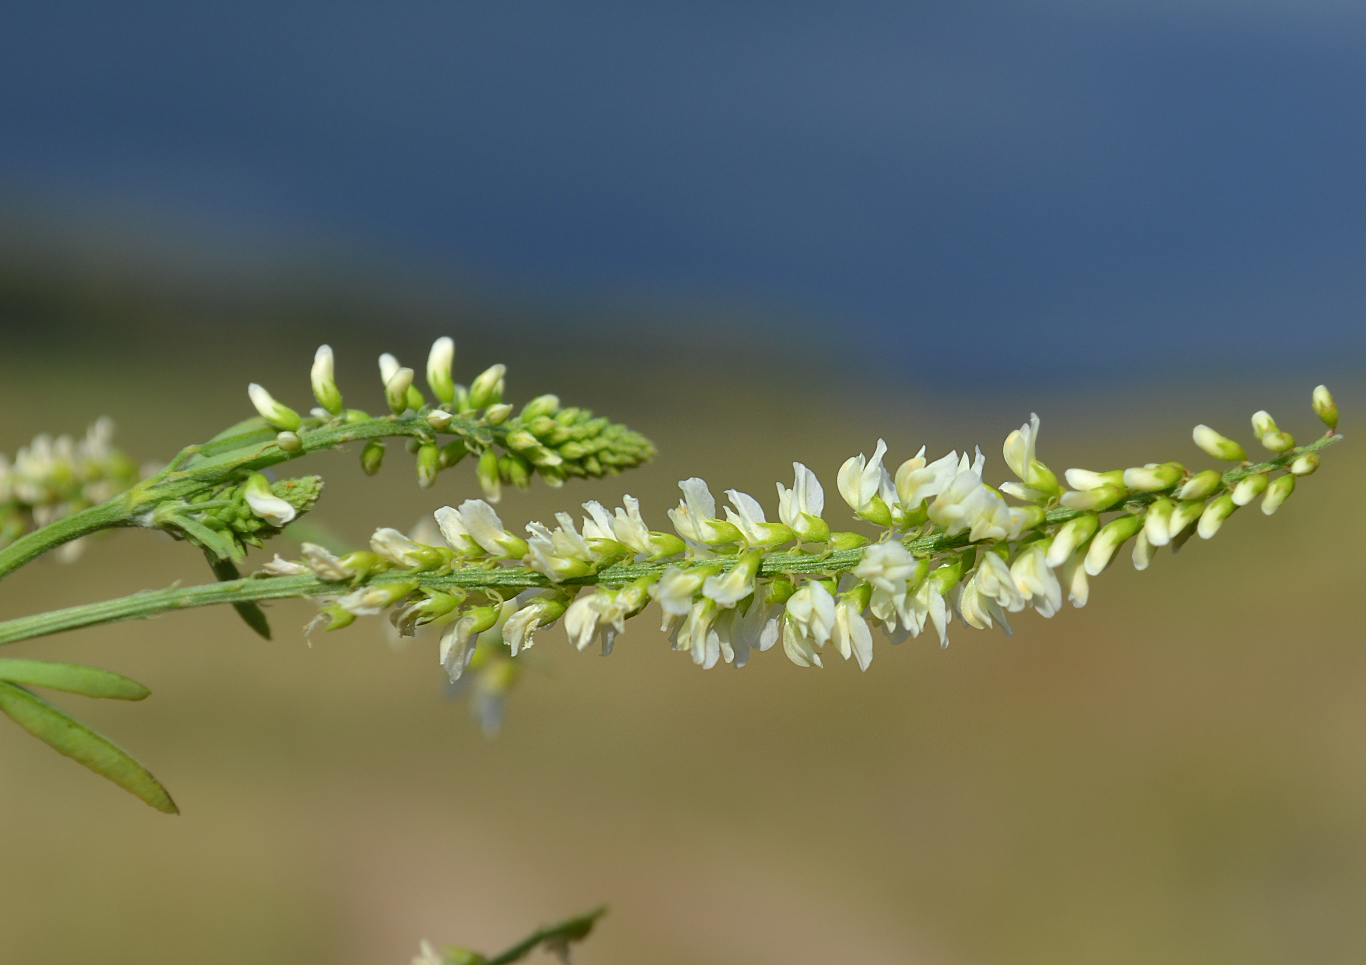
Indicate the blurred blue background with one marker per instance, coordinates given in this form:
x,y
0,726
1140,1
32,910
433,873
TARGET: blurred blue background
x,y
1007,191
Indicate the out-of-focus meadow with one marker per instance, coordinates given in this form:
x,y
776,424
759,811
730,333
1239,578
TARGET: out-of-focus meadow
x,y
1175,773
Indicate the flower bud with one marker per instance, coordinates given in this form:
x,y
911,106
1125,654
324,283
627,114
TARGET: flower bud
x,y
1071,534
1157,522
1278,492
324,383
1185,513
1325,408
1085,479
1305,464
1111,537
497,414
1216,445
489,478
487,388
428,465
1200,485
452,453
1143,550
542,405
439,361
370,600
1214,515
439,419
289,441
1152,479
1249,488
396,390
278,415
1278,442
1262,423
1092,500
372,457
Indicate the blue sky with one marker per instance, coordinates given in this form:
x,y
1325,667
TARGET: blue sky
x,y
1121,187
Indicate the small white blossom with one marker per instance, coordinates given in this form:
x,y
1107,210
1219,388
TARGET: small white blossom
x,y
864,482
695,516
282,567
886,566
264,503
398,548
1035,579
809,622
729,588
850,634
482,524
801,506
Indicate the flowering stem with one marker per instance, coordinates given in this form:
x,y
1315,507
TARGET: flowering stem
x,y
558,936
479,576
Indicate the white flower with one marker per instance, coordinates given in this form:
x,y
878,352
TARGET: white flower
x,y
978,609
748,517
801,506
520,629
282,567
324,381
729,588
851,635
397,548
864,482
677,587
695,517
695,634
1073,578
598,523
994,580
280,416
482,524
629,527
439,361
560,554
598,616
324,565
809,623
264,503
453,531
917,482
1035,579
886,566
927,602
388,368
1019,448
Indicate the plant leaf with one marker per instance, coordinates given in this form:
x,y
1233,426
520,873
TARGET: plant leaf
x,y
252,615
83,745
72,678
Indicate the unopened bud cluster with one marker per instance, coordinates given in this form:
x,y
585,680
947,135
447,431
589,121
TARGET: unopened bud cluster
x,y
226,520
730,582
54,477
509,447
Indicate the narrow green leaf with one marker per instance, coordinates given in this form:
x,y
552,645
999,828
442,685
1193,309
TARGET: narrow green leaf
x,y
72,678
78,742
252,614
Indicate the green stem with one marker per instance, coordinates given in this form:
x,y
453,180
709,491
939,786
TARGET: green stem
x,y
571,930
106,515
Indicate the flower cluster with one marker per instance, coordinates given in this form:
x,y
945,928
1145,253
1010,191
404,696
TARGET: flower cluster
x,y
729,583
226,520
54,477
510,446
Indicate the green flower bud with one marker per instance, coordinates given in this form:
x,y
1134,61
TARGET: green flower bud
x,y
1278,442
428,465
1070,536
324,383
1325,408
1183,515
542,405
1153,479
1092,500
1200,485
289,441
372,457
439,362
439,419
452,453
487,388
1278,492
278,415
1220,447
1305,464
396,390
1215,513
490,480
839,542
1249,488
1111,537
1262,423
497,414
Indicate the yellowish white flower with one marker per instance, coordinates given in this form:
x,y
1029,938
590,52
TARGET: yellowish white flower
x,y
801,506
748,517
808,623
324,381
695,516
886,566
264,503
1035,580
732,586
866,487
916,482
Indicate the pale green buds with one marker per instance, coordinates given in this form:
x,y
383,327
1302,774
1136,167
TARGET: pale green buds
x,y
264,503
1214,515
1111,537
490,480
1157,522
542,405
1152,479
1220,447
497,414
487,388
289,441
439,419
371,600
1071,535
1278,442
1278,492
439,362
1325,408
1249,488
1102,497
1305,464
372,457
1185,513
324,382
428,465
1202,484
1262,423
396,390
278,415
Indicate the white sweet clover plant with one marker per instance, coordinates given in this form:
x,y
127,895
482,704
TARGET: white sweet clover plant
x,y
939,544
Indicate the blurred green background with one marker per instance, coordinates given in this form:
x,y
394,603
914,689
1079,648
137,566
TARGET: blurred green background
x,y
1175,773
